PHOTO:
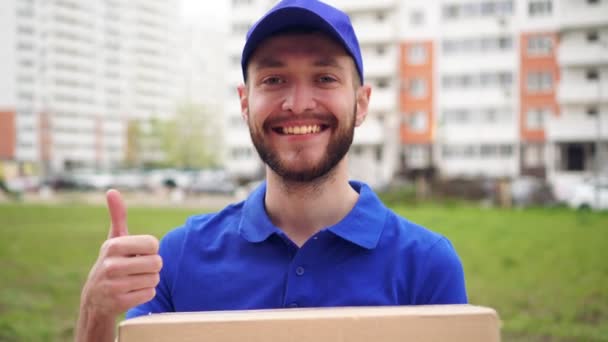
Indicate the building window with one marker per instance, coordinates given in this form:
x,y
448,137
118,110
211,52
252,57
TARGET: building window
x,y
488,150
473,46
539,82
592,111
505,150
416,18
240,28
379,153
540,45
418,122
456,116
533,155
593,36
240,2
451,11
417,87
592,75
416,54
535,118
540,8
383,83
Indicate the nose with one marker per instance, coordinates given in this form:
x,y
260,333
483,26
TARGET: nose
x,y
299,99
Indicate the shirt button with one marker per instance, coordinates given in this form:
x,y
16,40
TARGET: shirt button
x,y
300,270
293,305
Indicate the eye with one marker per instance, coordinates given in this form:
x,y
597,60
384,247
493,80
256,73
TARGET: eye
x,y
327,79
273,80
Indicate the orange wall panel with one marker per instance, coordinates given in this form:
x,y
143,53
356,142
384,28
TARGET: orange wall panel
x,y
8,136
547,99
408,103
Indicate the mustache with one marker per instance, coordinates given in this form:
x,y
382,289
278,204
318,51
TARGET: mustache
x,y
281,120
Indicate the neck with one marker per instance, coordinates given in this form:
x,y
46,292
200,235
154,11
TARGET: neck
x,y
303,209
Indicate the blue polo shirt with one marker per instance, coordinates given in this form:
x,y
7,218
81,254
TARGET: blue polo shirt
x,y
237,259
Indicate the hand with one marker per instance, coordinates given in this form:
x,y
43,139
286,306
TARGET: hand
x,y
127,270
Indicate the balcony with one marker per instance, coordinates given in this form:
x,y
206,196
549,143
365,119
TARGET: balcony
x,y
363,5
490,97
579,54
369,133
376,33
578,14
582,92
380,66
383,100
479,61
571,125
476,133
475,167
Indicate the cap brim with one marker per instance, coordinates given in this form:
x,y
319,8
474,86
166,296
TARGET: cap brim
x,y
285,19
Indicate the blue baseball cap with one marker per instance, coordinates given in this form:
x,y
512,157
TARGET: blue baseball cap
x,y
307,14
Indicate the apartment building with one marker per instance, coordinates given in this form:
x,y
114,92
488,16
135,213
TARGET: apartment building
x,y
75,72
504,88
459,91
577,138
373,157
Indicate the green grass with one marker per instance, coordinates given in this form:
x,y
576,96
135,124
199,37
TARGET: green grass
x,y
544,270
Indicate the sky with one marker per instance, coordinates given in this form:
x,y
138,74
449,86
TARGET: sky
x,y
206,13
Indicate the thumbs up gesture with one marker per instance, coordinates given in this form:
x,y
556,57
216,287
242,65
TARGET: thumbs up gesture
x,y
127,270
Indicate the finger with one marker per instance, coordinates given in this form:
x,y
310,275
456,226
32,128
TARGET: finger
x,y
141,281
126,266
130,245
118,214
137,297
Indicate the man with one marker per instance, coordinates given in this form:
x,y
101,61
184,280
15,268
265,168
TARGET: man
x,y
307,237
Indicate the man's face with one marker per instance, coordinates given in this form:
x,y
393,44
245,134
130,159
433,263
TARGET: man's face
x,y
302,102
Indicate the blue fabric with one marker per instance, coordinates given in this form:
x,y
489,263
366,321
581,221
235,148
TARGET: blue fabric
x,y
237,259
310,14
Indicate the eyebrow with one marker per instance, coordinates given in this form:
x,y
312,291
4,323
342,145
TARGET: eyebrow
x,y
270,62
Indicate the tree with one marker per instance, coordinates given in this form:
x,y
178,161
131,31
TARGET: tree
x,y
192,138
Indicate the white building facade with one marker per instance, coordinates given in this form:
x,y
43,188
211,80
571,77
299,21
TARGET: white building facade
x,y
577,138
74,74
515,88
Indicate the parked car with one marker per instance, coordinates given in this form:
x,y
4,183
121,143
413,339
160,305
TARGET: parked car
x,y
212,182
591,194
129,180
91,180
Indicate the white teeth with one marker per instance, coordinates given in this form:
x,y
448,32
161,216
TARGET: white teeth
x,y
301,129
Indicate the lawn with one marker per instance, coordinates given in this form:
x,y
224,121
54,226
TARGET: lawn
x,y
543,270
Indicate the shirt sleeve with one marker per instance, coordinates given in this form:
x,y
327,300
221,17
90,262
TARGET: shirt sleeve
x,y
170,251
442,276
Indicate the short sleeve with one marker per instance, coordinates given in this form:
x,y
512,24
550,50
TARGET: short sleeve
x,y
442,276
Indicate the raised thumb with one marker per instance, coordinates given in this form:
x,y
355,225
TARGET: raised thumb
x,y
118,214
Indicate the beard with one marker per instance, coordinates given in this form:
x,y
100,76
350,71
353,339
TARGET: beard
x,y
336,149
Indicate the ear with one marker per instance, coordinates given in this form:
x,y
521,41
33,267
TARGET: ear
x,y
244,99
363,94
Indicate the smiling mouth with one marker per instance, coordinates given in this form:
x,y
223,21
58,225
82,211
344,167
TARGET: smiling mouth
x,y
300,130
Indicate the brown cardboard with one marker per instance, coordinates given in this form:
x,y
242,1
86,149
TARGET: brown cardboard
x,y
355,324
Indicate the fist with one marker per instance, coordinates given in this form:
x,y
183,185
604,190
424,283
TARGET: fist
x,y
127,270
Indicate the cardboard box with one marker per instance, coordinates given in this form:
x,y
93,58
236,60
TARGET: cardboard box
x,y
355,324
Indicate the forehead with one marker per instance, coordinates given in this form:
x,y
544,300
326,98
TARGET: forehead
x,y
314,45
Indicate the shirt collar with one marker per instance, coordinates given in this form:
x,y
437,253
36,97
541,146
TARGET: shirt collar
x,y
255,225
363,225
